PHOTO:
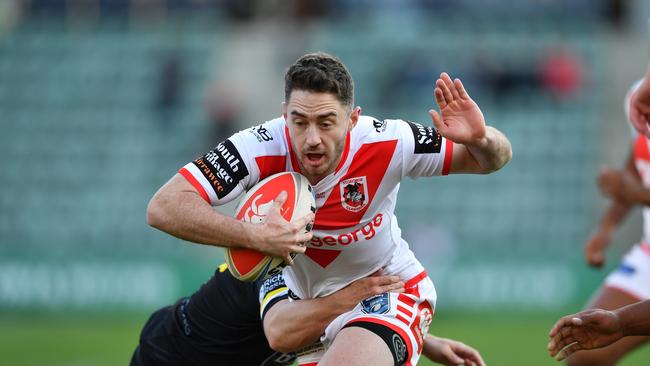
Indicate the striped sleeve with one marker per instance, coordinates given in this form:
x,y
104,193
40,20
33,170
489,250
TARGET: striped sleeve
x,y
272,290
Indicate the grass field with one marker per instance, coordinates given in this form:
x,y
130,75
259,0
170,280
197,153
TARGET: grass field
x,y
57,340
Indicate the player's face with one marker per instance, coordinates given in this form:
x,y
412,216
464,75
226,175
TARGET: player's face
x,y
318,124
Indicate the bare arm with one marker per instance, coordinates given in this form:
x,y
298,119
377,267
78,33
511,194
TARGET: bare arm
x,y
597,328
477,148
178,209
292,325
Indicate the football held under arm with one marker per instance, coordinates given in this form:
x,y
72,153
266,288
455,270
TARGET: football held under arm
x,y
183,206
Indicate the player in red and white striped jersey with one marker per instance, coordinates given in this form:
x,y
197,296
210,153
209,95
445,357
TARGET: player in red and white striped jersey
x,y
355,164
630,282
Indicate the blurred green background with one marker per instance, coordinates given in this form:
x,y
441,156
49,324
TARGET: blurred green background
x,y
102,101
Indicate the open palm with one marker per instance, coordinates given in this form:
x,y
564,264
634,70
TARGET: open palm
x,y
460,119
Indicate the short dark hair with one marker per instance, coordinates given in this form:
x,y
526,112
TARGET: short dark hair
x,y
321,73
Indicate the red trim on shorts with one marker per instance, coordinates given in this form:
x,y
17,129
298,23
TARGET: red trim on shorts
x,y
449,152
308,364
393,327
402,319
645,247
195,183
415,280
405,311
406,300
625,291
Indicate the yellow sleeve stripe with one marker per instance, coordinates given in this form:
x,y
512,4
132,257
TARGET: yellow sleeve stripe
x,y
223,267
270,296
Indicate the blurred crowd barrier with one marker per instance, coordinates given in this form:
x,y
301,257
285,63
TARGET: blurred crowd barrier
x,y
101,102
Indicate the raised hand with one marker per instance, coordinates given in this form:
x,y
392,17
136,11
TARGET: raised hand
x,y
279,238
460,119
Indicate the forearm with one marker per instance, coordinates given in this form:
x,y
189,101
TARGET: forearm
x,y
430,348
492,152
292,325
182,213
613,216
635,319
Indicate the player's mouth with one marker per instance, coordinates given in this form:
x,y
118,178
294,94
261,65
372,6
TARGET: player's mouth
x,y
314,159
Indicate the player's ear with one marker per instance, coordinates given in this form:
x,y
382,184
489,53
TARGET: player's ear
x,y
354,117
284,110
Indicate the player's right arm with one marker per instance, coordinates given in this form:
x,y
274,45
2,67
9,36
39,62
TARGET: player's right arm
x,y
597,328
178,209
183,206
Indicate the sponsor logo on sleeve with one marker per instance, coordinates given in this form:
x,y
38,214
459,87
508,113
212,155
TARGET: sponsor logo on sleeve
x,y
261,133
380,126
377,304
354,193
278,359
427,139
223,167
270,284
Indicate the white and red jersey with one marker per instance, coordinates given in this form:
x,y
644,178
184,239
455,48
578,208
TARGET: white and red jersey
x,y
641,156
355,229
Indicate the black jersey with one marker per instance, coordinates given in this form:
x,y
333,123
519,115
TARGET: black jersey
x,y
220,324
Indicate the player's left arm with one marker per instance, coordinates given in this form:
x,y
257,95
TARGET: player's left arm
x,y
291,325
478,148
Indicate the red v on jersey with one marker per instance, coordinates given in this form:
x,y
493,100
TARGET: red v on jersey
x,y
270,165
371,161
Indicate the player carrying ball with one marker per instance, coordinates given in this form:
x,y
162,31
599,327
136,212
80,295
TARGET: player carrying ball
x,y
355,164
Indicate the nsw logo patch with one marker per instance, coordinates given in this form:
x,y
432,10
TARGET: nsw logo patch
x,y
354,193
378,304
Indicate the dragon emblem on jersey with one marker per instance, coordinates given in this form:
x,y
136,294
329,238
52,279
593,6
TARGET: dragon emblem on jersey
x,y
256,212
354,195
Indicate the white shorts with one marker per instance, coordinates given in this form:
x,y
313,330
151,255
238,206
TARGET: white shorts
x,y
408,314
633,274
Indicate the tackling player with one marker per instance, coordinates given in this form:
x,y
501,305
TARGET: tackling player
x,y
355,164
220,324
628,187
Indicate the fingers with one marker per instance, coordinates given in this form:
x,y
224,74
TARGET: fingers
x,y
280,200
567,351
437,121
302,222
450,85
445,92
471,356
461,89
440,98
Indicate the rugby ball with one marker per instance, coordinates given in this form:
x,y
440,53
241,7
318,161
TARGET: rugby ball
x,y
250,265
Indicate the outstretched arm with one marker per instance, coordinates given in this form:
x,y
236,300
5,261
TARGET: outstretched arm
x,y
178,209
290,325
477,148
597,328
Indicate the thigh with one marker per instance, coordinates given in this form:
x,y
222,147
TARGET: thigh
x,y
356,346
